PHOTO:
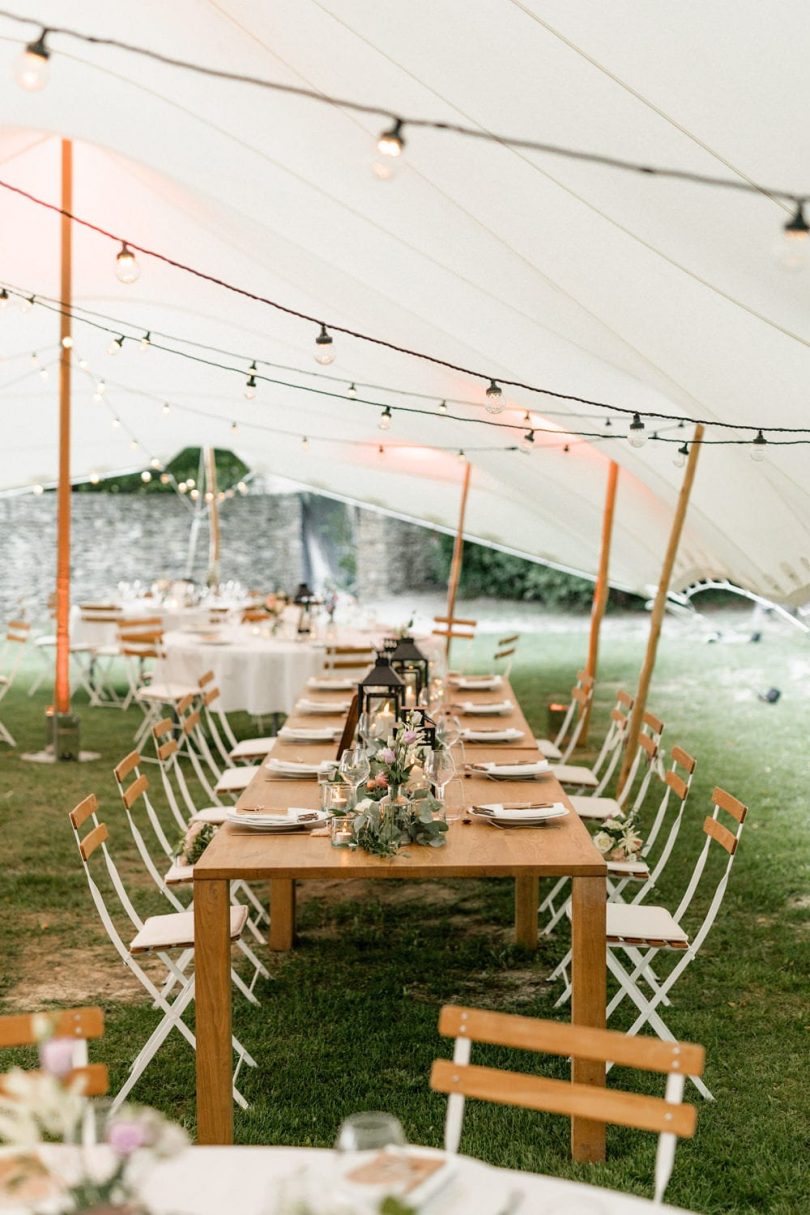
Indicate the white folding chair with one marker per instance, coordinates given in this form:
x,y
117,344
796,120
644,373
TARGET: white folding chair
x,y
81,656
135,794
670,1116
561,748
14,643
219,730
155,936
641,931
597,777
504,657
185,810
230,781
354,658
141,646
456,628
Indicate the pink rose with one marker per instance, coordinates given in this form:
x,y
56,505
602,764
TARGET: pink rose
x,y
410,736
56,1056
387,755
126,1137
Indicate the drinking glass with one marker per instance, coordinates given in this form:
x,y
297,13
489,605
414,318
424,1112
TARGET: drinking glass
x,y
376,1142
370,1131
354,768
440,769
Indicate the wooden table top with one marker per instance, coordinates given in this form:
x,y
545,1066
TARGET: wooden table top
x,y
473,850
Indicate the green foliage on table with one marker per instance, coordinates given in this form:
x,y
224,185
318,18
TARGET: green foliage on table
x,y
383,828
193,843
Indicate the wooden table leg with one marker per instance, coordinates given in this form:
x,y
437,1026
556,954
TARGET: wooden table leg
x,y
588,999
212,970
282,914
527,902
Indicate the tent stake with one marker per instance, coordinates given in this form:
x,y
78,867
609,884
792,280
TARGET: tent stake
x,y
62,673
601,590
659,606
458,550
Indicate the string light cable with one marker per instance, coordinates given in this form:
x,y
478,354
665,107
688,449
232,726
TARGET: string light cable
x,y
116,329
392,139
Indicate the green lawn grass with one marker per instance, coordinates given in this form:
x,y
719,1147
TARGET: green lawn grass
x,y
348,1020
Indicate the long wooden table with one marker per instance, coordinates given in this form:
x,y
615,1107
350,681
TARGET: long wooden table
x,y
474,850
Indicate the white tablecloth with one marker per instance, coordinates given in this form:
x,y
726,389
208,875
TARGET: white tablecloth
x,y
257,673
172,616
248,1180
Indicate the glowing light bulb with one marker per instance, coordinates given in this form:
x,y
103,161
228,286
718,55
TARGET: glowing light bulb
x,y
134,444
209,497
758,446
390,146
182,488
324,348
83,364
126,265
351,391
793,249
116,422
44,374
38,489
116,345
190,482
31,72
527,441
494,394
461,455
679,459
156,463
94,478
305,443
166,407
442,407
386,418
234,427
25,302
101,388
165,478
242,487
250,383
146,476
146,342
637,432
194,495
4,298
67,342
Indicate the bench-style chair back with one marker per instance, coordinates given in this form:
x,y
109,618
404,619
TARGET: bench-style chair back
x,y
576,715
77,1025
348,658
504,656
669,1116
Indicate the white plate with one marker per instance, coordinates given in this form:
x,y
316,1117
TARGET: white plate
x,y
493,735
469,709
526,818
318,706
278,823
470,684
295,770
313,735
331,685
514,771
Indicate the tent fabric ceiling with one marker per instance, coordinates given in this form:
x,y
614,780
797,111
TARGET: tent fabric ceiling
x,y
653,295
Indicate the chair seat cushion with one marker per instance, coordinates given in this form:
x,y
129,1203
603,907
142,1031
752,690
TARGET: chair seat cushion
x,y
598,808
176,931
573,774
629,869
250,747
164,693
211,814
75,647
233,780
178,874
642,924
547,748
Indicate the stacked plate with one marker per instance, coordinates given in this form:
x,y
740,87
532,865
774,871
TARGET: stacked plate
x,y
281,822
327,683
519,814
310,734
475,683
296,770
492,709
322,706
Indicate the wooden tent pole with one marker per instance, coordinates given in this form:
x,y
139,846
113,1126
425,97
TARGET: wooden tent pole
x,y
458,550
213,517
602,588
62,673
659,606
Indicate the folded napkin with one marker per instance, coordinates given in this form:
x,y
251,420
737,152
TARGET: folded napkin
x,y
472,683
521,814
320,706
310,733
323,683
279,818
510,735
288,767
486,710
535,767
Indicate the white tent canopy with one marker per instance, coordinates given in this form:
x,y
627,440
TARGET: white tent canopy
x,y
649,294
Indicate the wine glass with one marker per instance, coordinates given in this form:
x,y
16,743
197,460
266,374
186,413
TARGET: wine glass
x,y
370,1131
354,768
440,769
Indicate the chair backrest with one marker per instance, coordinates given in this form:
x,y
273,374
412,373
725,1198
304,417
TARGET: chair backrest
x,y
18,632
141,637
100,613
454,627
194,746
576,715
605,763
88,846
505,650
76,1025
175,785
216,719
348,657
255,616
133,789
727,839
669,1116
349,727
677,782
646,760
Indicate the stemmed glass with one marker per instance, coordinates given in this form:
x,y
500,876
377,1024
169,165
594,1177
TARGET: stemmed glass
x,y
355,769
371,1141
440,770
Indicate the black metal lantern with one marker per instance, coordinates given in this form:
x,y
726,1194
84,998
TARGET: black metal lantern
x,y
408,660
381,689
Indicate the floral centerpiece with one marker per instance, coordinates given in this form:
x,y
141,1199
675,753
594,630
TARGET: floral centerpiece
x,y
193,842
392,812
618,838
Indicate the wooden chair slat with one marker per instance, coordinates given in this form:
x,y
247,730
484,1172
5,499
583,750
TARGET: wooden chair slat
x,y
191,721
18,1029
206,678
92,841
726,802
136,789
93,1079
676,784
164,726
80,813
725,838
684,759
647,744
127,764
561,1097
625,698
510,640
559,1038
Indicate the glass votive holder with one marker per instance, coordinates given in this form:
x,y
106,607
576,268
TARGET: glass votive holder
x,y
341,830
335,796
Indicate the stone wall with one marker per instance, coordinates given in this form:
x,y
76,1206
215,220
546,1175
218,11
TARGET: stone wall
x,y
146,536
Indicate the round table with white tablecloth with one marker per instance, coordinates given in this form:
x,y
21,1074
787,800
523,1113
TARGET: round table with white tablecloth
x,y
172,616
263,1181
256,671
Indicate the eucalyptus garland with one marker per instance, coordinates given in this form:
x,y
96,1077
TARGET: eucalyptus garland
x,y
383,828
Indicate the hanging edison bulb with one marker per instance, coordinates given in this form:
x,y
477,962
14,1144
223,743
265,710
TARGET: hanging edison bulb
x,y
679,459
494,394
390,146
126,266
386,418
31,72
116,345
758,446
324,348
793,250
637,432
